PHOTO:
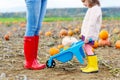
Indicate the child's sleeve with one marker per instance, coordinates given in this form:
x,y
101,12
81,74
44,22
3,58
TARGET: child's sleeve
x,y
94,24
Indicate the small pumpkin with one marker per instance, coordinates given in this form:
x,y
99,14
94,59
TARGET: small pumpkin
x,y
96,44
40,33
63,33
76,30
93,50
48,33
104,42
53,51
22,25
60,46
70,33
103,34
117,44
6,37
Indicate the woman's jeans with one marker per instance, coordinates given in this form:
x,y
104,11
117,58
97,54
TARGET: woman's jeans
x,y
36,10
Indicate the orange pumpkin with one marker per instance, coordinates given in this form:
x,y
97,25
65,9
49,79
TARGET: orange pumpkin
x,y
93,50
70,33
63,33
96,44
22,25
53,51
103,34
48,33
117,44
76,30
40,33
104,42
6,37
60,46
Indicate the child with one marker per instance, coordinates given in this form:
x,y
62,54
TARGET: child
x,y
35,13
90,31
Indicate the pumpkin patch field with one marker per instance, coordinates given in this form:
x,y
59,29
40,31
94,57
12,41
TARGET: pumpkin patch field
x,y
107,48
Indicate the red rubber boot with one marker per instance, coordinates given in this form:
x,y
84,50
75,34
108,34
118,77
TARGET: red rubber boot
x,y
29,53
36,53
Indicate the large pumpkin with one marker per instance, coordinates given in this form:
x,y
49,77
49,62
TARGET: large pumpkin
x,y
53,51
103,34
117,44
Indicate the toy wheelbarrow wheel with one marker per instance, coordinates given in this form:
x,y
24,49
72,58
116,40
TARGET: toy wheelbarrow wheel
x,y
52,64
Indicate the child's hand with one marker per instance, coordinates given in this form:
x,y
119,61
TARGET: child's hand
x,y
86,41
80,36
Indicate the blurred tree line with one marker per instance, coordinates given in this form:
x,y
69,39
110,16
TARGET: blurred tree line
x,y
66,12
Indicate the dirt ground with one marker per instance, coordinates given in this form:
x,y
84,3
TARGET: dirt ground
x,y
12,58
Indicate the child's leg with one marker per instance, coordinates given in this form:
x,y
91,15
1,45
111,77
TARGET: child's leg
x,y
92,65
42,12
88,49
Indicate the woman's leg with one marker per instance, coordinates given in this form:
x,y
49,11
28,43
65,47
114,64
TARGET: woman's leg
x,y
41,16
41,12
29,39
33,12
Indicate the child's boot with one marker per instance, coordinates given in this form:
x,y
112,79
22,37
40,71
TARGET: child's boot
x,y
92,66
86,66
